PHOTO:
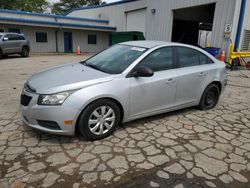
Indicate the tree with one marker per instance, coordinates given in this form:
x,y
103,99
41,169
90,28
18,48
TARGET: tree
x,y
66,5
39,6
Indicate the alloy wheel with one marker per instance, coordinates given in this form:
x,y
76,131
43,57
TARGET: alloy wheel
x,y
101,120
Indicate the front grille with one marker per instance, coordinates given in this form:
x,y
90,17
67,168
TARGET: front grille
x,y
25,100
48,124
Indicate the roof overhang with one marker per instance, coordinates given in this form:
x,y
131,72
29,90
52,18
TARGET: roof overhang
x,y
60,25
31,14
99,6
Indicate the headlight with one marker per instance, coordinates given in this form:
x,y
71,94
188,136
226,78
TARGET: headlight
x,y
53,99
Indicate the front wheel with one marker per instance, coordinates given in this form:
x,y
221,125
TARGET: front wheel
x,y
99,119
210,97
1,54
25,51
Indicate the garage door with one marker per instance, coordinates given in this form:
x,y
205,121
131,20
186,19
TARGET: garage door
x,y
136,20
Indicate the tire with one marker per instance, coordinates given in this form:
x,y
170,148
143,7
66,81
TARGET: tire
x,y
95,113
209,97
25,51
1,54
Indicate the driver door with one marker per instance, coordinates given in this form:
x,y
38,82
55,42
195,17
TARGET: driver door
x,y
151,95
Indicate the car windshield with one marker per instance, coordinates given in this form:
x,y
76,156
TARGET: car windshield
x,y
116,59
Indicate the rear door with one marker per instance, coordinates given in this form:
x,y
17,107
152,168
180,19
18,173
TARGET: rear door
x,y
156,93
192,76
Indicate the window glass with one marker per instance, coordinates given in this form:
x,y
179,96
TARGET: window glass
x,y
204,59
9,36
14,30
21,38
41,37
187,57
92,39
1,30
115,59
16,37
159,60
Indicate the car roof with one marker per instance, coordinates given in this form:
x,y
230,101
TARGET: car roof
x,y
10,33
146,43
153,43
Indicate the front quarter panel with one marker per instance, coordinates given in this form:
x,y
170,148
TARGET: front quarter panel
x,y
117,89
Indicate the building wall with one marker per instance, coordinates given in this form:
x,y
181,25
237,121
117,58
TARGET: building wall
x,y
79,37
159,25
115,14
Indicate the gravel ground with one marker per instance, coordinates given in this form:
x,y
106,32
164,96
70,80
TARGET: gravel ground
x,y
186,148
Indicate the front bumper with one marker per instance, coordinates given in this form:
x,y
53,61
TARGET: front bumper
x,y
32,113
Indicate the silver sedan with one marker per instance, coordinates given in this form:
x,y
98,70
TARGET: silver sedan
x,y
125,82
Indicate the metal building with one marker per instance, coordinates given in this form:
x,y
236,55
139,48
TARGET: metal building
x,y
54,33
214,23
187,21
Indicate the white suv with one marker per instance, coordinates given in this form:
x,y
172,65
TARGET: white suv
x,y
13,43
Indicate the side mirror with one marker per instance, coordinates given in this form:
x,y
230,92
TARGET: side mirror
x,y
142,71
5,38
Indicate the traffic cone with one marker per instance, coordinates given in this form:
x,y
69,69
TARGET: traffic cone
x,y
78,50
223,56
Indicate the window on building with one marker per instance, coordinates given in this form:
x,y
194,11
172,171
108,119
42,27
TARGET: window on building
x,y
1,30
188,57
246,41
14,30
159,60
41,37
92,39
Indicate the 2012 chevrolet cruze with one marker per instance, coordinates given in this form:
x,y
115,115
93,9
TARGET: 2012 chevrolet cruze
x,y
125,82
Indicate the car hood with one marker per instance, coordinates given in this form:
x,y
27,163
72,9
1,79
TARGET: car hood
x,y
67,77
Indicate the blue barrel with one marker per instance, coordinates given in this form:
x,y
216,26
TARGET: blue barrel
x,y
213,51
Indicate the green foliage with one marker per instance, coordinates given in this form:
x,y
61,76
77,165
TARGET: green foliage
x,y
25,5
66,5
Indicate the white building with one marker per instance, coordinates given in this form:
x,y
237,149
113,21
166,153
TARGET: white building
x,y
53,33
177,20
203,22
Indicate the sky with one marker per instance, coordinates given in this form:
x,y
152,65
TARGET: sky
x,y
108,1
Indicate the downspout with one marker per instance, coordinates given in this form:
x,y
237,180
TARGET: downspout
x,y
56,32
240,24
56,36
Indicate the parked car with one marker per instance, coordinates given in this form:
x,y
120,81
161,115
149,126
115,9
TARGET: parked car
x,y
13,43
128,81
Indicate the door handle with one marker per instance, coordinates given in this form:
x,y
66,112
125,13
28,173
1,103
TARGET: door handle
x,y
202,74
170,80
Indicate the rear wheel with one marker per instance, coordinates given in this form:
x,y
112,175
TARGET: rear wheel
x,y
210,97
25,51
99,119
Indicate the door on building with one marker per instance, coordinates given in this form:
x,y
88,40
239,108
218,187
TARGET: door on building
x,y
189,24
136,20
68,43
